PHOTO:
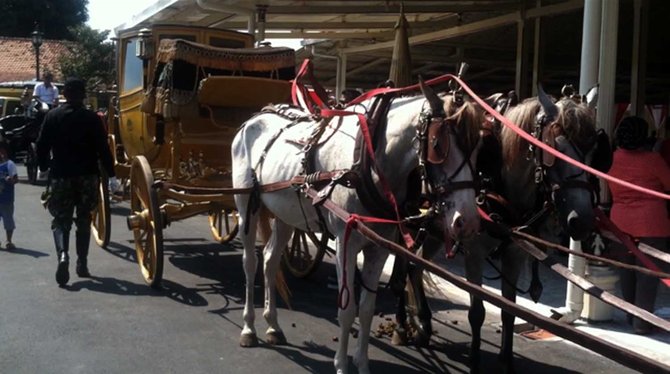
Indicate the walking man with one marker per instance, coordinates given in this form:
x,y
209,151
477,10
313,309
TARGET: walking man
x,y
76,140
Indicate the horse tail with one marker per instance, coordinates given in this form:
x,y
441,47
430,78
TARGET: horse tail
x,y
265,231
431,287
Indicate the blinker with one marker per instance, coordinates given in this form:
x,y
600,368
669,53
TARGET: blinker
x,y
548,138
438,141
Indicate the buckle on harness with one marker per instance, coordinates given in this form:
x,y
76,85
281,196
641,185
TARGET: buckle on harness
x,y
346,178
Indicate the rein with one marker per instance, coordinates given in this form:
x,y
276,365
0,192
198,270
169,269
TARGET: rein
x,y
431,126
549,149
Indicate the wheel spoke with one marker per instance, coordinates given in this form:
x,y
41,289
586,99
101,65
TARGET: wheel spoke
x,y
224,217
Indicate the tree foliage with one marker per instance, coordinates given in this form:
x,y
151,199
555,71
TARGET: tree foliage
x,y
56,18
91,57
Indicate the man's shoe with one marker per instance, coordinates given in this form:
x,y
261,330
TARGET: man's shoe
x,y
82,271
63,273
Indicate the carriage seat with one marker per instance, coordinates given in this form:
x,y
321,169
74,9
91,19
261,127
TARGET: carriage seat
x,y
240,91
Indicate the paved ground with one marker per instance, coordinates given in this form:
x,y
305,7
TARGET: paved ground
x,y
114,323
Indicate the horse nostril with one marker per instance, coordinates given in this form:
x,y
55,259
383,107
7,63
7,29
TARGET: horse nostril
x,y
578,228
573,220
459,222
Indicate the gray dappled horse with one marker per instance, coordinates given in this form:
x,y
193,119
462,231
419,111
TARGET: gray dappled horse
x,y
398,155
569,127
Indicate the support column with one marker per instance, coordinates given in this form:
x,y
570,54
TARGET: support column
x,y
639,59
588,74
251,26
523,46
574,297
341,80
537,52
607,64
605,115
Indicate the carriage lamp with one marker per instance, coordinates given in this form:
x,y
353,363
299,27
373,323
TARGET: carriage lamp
x,y
144,48
36,38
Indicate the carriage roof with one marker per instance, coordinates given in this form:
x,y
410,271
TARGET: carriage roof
x,y
185,68
235,59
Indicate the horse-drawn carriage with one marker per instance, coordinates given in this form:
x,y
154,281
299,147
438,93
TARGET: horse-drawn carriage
x,y
179,108
183,92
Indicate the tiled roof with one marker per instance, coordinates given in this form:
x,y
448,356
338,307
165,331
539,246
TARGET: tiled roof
x,y
17,58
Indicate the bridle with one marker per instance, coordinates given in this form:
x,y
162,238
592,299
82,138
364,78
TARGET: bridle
x,y
547,130
433,134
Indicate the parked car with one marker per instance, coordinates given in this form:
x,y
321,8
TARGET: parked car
x,y
10,105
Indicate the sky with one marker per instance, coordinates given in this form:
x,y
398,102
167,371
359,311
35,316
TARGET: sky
x,y
108,14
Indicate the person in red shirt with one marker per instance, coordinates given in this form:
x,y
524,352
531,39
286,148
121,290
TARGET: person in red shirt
x,y
640,215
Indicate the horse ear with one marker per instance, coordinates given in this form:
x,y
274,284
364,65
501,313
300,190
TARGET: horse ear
x,y
436,104
550,109
592,97
513,98
493,99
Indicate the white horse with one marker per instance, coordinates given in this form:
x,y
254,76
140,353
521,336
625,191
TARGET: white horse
x,y
264,150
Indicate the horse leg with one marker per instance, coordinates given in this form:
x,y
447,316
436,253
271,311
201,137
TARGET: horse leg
x,y
279,237
248,237
346,312
511,265
476,313
373,265
425,326
398,282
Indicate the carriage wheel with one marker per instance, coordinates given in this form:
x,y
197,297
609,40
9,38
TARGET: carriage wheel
x,y
302,257
146,222
31,163
223,230
101,216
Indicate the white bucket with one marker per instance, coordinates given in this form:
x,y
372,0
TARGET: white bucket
x,y
605,278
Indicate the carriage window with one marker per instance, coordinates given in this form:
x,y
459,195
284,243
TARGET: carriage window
x,y
225,43
132,67
13,106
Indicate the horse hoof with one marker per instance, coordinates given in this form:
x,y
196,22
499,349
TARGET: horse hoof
x,y
399,337
275,338
248,340
421,340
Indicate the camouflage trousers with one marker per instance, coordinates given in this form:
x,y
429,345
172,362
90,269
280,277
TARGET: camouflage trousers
x,y
70,195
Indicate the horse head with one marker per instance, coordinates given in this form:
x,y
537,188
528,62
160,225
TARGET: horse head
x,y
450,136
569,127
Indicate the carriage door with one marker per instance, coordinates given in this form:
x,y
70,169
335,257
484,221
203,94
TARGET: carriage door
x,y
132,126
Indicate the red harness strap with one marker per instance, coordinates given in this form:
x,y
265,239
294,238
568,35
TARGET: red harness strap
x,y
317,97
317,101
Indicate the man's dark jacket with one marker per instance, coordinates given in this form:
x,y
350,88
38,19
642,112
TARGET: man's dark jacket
x,y
71,142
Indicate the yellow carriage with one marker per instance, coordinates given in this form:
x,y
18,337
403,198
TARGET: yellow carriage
x,y
182,94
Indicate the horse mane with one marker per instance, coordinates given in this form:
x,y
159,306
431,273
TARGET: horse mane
x,y
575,121
579,123
468,118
